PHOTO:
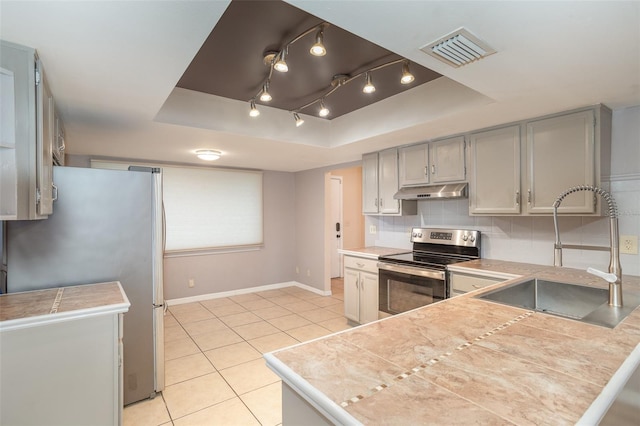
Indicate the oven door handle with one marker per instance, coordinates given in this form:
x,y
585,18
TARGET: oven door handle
x,y
429,273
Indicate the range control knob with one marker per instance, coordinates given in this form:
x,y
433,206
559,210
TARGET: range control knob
x,y
465,237
472,238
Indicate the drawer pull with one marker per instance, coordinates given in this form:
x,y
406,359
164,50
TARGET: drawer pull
x,y
360,265
476,286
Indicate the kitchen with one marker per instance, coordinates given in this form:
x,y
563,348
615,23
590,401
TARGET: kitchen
x,y
293,189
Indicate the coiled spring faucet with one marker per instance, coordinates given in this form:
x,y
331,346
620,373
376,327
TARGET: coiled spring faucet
x,y
615,288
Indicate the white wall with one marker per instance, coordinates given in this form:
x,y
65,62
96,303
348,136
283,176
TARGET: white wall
x,y
530,239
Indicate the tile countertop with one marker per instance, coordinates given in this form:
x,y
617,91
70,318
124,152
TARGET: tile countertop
x,y
372,252
30,308
465,360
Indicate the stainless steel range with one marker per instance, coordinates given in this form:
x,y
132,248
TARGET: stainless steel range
x,y
418,278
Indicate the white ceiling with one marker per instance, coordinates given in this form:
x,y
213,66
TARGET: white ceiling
x,y
113,66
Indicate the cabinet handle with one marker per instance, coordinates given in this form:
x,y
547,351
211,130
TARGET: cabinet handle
x,y
517,197
381,202
529,196
433,169
476,286
426,170
55,192
360,265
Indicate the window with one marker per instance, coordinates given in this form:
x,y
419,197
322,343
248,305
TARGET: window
x,y
208,209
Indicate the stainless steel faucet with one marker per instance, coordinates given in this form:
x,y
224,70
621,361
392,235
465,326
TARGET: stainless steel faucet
x,y
615,288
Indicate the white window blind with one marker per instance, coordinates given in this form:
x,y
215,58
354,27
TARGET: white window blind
x,y
208,208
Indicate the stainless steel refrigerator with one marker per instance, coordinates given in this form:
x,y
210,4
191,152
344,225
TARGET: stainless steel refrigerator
x,y
107,225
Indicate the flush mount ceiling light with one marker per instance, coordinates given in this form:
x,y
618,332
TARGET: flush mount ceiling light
x,y
458,48
208,154
276,60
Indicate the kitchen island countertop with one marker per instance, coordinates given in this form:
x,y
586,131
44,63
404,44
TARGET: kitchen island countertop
x,y
464,360
24,309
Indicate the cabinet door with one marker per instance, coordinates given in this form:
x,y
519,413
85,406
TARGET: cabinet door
x,y
388,181
370,183
44,151
560,155
494,171
352,294
368,297
414,165
447,160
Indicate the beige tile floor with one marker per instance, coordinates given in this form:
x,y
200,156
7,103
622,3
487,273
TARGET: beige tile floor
x,y
214,370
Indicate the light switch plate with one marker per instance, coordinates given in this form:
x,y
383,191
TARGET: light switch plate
x,y
372,229
628,244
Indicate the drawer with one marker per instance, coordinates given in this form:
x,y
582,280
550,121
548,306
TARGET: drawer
x,y
461,283
369,265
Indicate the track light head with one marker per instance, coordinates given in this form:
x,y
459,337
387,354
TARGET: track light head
x,y
407,77
265,96
281,64
324,111
318,48
368,87
253,112
299,121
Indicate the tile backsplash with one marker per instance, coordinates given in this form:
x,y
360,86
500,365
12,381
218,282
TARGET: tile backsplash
x,y
526,238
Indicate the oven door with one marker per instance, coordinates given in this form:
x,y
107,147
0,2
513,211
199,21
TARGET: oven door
x,y
403,288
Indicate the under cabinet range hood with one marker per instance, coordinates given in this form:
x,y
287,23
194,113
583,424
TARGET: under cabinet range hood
x,y
451,190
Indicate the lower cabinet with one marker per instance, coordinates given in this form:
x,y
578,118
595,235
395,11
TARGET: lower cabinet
x,y
464,283
360,289
61,368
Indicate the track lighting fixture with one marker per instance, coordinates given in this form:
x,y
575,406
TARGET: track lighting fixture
x,y
324,111
299,121
368,87
281,64
407,77
253,112
318,48
265,96
277,60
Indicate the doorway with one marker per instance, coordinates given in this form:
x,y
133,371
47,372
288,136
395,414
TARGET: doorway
x,y
336,226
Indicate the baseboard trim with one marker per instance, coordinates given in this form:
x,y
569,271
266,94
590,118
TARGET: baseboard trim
x,y
209,296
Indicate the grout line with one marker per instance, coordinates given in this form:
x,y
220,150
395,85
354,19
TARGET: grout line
x,y
237,395
433,361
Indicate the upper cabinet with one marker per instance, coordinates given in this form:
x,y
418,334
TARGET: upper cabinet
x,y
494,171
446,158
561,153
433,162
522,168
414,165
380,184
28,128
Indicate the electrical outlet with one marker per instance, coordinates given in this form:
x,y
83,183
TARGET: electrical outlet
x,y
628,244
192,283
372,229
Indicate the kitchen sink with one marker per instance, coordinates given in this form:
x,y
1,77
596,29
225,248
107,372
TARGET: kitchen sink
x,y
577,302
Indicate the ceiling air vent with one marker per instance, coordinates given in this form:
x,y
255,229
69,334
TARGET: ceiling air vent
x,y
458,48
